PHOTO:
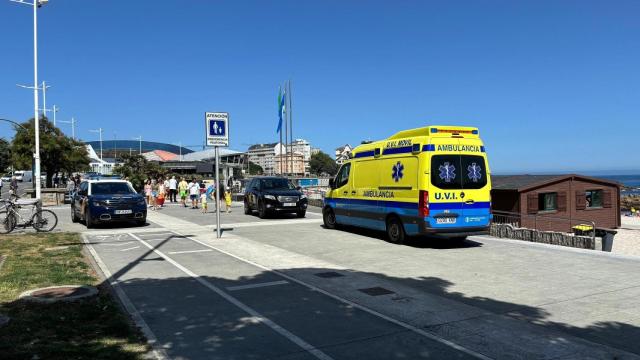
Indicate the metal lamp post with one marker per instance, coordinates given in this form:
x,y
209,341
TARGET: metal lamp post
x,y
99,130
35,4
139,138
73,127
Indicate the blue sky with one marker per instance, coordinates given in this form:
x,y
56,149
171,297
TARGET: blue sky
x,y
552,85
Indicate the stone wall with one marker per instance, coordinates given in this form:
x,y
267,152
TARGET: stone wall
x,y
545,237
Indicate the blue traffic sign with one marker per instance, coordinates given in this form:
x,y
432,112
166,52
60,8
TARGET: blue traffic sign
x,y
217,128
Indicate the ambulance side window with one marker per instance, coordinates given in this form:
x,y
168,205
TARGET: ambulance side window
x,y
343,175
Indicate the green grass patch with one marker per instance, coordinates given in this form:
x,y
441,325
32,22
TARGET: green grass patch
x,y
93,328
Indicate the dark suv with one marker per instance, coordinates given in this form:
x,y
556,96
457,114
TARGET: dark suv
x,y
107,200
274,195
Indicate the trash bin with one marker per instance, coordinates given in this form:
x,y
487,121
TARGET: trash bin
x,y
607,238
583,230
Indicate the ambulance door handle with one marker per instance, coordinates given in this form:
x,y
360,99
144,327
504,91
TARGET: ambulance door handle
x,y
469,201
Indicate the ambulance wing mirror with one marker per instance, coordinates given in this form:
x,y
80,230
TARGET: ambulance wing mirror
x,y
332,183
376,152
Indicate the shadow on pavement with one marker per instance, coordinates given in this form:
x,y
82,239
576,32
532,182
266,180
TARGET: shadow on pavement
x,y
193,320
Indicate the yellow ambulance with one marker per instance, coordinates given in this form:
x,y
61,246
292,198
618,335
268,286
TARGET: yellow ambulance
x,y
432,180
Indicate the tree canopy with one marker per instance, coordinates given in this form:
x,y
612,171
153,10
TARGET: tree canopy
x,y
58,152
137,170
322,164
5,154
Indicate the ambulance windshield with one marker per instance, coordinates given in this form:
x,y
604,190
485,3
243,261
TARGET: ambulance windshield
x,y
458,172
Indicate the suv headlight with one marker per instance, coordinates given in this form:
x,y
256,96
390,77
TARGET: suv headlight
x,y
101,203
270,197
141,202
303,196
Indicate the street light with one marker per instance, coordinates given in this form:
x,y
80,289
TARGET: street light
x,y
73,126
44,88
99,131
35,4
140,139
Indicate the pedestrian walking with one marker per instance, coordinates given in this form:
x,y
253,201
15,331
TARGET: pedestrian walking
x,y
148,193
203,202
194,193
13,185
221,198
162,192
227,200
183,187
173,187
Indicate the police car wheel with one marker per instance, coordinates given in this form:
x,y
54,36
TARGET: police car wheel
x,y
329,218
395,230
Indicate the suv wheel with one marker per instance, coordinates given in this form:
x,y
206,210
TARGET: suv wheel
x,y
87,219
247,208
262,210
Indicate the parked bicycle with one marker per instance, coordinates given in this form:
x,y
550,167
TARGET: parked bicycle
x,y
10,217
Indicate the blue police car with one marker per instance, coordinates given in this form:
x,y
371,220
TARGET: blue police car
x,y
107,200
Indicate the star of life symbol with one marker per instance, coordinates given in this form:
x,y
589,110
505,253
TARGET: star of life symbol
x,y
447,172
397,173
475,172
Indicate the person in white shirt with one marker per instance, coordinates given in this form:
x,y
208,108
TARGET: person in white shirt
x,y
173,189
194,193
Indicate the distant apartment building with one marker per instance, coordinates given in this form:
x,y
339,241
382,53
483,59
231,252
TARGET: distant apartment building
x,y
303,147
343,153
267,157
292,163
264,156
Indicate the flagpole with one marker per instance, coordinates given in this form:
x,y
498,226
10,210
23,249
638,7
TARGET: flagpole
x,y
290,124
280,122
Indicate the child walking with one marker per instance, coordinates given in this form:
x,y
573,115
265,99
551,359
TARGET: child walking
x,y
227,200
203,201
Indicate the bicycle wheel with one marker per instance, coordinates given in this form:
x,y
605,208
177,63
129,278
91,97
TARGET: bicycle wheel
x,y
44,220
7,222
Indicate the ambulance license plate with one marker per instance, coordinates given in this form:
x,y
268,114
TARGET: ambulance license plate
x,y
445,220
123,212
289,204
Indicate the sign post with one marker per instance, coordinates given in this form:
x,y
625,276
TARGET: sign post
x,y
217,130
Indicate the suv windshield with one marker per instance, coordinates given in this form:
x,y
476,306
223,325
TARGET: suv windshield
x,y
106,188
276,184
458,172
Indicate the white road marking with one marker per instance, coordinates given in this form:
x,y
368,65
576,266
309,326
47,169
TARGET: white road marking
x,y
118,244
259,317
189,251
353,304
267,223
258,285
131,248
158,351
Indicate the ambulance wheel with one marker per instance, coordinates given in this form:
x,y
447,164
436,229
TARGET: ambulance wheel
x,y
329,218
395,230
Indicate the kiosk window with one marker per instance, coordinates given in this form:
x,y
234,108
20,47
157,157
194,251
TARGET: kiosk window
x,y
548,202
593,198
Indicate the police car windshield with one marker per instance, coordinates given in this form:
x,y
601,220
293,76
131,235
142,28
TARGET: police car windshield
x,y
276,184
458,171
109,188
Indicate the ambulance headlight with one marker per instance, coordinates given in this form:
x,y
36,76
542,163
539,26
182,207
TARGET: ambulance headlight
x,y
270,197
